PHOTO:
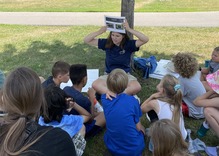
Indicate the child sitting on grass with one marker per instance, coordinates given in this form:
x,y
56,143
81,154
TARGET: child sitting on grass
x,y
58,102
78,76
212,67
186,65
23,99
167,102
210,102
167,139
125,134
60,73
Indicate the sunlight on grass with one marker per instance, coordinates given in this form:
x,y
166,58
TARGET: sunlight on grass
x,y
107,6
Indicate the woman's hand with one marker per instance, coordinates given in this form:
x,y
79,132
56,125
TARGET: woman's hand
x,y
103,29
126,25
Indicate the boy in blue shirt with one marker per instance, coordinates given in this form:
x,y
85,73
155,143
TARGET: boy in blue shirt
x,y
125,133
78,76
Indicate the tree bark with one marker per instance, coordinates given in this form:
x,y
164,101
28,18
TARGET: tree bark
x,y
127,10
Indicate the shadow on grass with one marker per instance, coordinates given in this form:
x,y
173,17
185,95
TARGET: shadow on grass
x,y
40,56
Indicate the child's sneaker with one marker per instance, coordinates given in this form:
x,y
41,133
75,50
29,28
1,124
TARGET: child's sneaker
x,y
202,131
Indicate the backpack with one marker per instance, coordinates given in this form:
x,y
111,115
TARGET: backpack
x,y
146,65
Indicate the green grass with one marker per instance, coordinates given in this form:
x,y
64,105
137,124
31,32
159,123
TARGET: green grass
x,y
38,47
107,5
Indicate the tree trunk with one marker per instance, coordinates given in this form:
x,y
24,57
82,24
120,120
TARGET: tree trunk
x,y
127,10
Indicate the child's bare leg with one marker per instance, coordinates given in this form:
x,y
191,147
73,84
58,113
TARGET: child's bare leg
x,y
204,72
82,131
207,87
211,115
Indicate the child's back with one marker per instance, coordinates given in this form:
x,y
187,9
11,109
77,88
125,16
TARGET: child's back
x,y
187,66
166,112
78,76
122,115
166,103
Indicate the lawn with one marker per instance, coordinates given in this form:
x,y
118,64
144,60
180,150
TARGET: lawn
x,y
38,47
107,6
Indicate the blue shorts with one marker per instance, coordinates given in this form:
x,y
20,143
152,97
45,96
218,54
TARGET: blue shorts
x,y
92,129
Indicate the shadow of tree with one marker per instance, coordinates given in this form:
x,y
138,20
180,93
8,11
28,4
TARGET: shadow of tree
x,y
40,56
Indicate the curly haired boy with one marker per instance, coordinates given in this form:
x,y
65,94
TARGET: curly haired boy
x,y
186,66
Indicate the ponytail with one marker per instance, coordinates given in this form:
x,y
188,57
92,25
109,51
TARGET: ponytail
x,y
12,142
173,95
177,98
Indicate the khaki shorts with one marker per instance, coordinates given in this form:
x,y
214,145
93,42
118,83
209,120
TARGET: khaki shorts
x,y
130,77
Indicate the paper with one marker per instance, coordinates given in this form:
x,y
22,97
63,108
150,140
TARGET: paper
x,y
162,70
92,75
63,85
115,24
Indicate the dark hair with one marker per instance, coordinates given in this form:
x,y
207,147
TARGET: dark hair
x,y
110,44
77,73
60,67
56,103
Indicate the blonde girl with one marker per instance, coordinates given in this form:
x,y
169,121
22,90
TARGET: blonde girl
x,y
167,102
167,141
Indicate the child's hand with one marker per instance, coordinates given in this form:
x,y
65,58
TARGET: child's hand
x,y
205,71
110,94
70,103
91,93
143,130
140,127
157,95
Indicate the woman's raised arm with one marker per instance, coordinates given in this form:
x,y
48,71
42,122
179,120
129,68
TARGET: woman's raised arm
x,y
91,38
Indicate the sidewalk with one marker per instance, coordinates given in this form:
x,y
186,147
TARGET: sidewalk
x,y
178,19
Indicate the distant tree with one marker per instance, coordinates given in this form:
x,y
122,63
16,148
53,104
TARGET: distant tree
x,y
127,10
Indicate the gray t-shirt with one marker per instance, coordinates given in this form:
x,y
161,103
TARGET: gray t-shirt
x,y
192,88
